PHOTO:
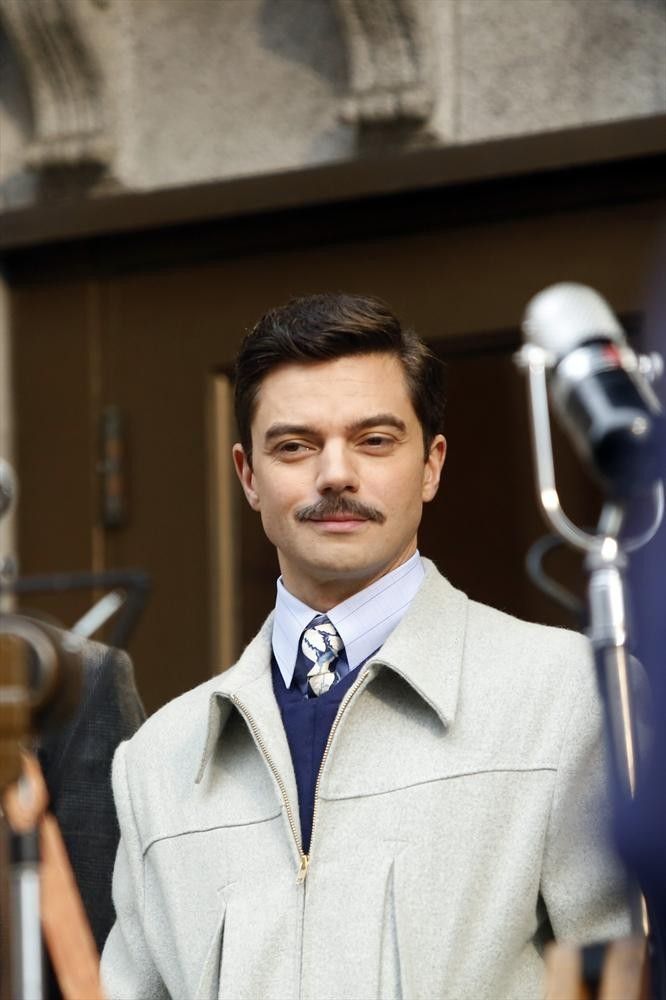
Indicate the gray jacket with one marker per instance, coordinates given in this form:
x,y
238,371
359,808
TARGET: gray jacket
x,y
459,817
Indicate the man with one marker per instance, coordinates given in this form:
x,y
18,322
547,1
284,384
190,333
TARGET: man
x,y
395,792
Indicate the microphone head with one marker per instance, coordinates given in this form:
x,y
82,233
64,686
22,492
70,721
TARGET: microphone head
x,y
564,316
7,486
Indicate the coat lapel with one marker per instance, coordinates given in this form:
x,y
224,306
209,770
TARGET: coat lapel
x,y
247,688
426,649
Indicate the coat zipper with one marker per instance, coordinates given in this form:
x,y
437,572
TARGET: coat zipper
x,y
305,858
259,740
304,863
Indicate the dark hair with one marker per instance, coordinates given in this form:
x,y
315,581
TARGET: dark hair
x,y
335,325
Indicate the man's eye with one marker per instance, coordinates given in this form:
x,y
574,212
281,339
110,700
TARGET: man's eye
x,y
378,441
291,447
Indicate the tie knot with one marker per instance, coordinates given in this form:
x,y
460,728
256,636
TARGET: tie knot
x,y
319,639
321,647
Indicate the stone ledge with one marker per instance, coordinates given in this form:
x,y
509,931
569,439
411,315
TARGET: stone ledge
x,y
354,179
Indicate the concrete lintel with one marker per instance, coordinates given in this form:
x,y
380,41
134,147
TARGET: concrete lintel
x,y
361,178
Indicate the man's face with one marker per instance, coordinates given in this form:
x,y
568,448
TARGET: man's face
x,y
338,473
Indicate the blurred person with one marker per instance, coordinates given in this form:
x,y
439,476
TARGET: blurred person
x,y
640,825
76,762
395,791
75,757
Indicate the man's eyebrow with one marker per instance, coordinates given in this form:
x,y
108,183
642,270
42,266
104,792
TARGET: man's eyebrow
x,y
378,420
282,430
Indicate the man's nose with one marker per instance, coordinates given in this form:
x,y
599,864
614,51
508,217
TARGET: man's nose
x,y
337,470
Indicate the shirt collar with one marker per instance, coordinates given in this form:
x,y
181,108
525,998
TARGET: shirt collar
x,y
364,621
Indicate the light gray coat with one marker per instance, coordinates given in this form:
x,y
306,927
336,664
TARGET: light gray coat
x,y
459,814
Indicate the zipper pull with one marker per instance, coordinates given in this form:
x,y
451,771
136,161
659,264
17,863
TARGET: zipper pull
x,y
303,869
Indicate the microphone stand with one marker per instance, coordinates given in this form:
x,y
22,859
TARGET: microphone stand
x,y
27,957
41,676
606,565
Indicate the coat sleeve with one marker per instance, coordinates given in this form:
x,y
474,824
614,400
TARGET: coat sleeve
x,y
128,971
583,885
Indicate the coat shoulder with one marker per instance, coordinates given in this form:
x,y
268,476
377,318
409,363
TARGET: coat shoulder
x,y
526,643
538,672
171,725
172,741
495,640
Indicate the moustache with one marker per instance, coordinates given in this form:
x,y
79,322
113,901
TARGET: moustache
x,y
337,507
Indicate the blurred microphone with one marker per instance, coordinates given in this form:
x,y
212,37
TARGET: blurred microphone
x,y
7,486
599,387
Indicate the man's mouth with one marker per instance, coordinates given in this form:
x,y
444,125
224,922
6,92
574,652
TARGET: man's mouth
x,y
338,524
338,517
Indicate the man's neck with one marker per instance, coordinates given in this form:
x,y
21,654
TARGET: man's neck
x,y
322,595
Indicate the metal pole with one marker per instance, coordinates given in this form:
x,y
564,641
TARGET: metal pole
x,y
26,937
608,634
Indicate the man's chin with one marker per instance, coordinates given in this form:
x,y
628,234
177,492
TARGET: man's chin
x,y
342,565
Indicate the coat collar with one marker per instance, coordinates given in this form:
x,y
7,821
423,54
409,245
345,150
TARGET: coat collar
x,y
426,650
248,680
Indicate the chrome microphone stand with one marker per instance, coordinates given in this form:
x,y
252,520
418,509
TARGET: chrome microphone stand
x,y
26,959
27,953
606,564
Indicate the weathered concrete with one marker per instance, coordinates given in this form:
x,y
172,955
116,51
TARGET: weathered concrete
x,y
230,89
179,92
531,66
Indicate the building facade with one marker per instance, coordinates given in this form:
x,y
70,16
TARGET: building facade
x,y
170,168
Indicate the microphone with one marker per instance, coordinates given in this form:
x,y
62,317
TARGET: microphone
x,y
599,388
7,486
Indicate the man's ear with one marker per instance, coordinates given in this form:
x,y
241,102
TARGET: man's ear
x,y
246,475
433,467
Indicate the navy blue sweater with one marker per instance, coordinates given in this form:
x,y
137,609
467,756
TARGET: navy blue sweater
x,y
307,723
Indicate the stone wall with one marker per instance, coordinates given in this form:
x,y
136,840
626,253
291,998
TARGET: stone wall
x,y
101,95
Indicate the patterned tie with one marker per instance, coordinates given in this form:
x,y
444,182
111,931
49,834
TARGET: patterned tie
x,y
321,645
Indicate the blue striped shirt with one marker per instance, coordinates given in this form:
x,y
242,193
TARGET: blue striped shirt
x,y
364,621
